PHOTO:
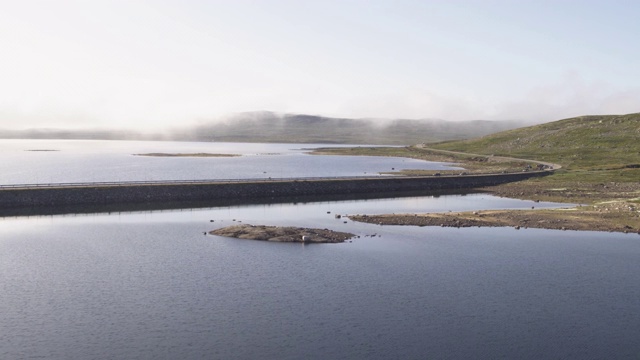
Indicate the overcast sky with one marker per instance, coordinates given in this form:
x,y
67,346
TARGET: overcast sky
x,y
94,63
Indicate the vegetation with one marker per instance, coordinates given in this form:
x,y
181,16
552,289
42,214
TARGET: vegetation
x,y
600,155
600,158
596,144
472,163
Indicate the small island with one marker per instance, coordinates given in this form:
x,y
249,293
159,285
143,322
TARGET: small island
x,y
186,155
282,234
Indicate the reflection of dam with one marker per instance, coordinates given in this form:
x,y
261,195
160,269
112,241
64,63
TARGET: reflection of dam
x,y
98,194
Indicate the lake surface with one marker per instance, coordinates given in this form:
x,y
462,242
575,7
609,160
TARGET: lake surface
x,y
58,161
149,285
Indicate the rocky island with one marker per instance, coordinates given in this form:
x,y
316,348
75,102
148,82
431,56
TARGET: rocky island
x,y
282,234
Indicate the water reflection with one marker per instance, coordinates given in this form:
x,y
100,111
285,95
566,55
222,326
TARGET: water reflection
x,y
281,209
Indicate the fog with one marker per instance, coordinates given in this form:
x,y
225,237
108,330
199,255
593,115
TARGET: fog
x,y
153,66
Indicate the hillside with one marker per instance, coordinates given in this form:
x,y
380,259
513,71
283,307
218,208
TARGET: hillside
x,y
607,142
600,158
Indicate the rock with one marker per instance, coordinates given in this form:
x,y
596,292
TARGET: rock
x,y
282,234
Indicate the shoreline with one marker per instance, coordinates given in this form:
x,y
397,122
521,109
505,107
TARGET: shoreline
x,y
610,217
610,205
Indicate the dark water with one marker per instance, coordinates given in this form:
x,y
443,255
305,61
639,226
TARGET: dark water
x,y
150,285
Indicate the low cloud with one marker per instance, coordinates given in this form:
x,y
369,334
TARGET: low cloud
x,y
568,98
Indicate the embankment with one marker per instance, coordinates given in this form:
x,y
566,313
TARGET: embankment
x,y
12,198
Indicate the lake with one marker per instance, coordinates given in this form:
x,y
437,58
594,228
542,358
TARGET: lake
x,y
149,285
58,161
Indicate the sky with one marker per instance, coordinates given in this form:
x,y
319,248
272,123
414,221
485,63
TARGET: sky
x,y
152,64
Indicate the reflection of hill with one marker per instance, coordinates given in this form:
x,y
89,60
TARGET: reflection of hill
x,y
271,127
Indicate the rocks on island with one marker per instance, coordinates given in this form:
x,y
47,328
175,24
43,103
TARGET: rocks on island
x,y
282,234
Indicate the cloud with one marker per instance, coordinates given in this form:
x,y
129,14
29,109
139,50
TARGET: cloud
x,y
569,97
412,104
622,102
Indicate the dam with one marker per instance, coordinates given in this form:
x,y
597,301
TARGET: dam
x,y
46,198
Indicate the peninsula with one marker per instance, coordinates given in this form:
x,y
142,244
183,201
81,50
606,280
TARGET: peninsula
x,y
600,158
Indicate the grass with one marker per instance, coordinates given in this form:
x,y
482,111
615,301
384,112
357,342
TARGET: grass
x,y
600,159
471,163
586,143
600,156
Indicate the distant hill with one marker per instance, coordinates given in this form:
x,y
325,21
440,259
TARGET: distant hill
x,y
603,142
297,128
270,127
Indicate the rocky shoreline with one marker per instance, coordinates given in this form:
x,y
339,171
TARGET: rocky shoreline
x,y
282,234
613,207
612,217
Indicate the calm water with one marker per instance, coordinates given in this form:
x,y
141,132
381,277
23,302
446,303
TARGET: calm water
x,y
87,161
150,285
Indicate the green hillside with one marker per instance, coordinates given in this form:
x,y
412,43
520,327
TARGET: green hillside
x,y
585,143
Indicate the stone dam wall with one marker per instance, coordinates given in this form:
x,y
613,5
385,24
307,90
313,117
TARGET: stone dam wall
x,y
181,192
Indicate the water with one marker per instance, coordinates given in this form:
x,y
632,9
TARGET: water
x,y
88,161
149,285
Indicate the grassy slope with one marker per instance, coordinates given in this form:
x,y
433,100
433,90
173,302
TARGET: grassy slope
x,y
591,148
599,154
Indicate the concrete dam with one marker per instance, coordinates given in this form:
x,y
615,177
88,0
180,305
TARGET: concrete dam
x,y
97,195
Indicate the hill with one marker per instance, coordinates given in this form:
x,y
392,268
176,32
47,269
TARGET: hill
x,y
605,142
600,158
